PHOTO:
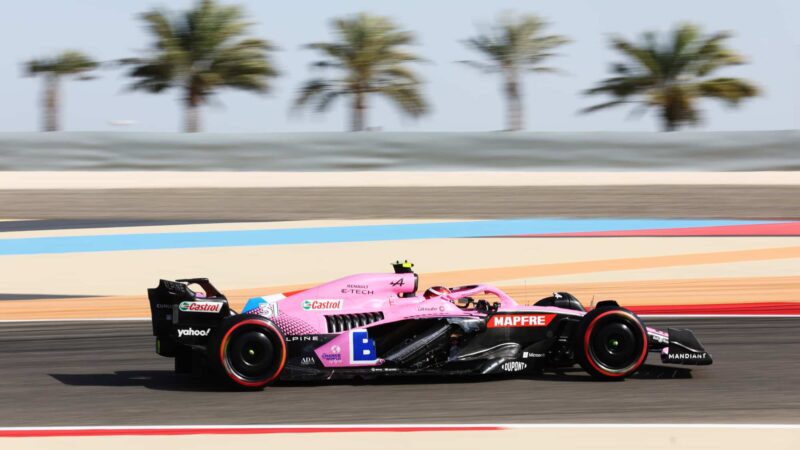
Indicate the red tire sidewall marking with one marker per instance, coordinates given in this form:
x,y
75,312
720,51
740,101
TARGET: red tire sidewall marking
x,y
224,344
589,334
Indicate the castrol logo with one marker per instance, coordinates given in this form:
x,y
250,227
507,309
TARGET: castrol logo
x,y
204,307
322,304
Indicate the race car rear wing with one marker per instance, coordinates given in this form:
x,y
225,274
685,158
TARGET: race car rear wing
x,y
181,316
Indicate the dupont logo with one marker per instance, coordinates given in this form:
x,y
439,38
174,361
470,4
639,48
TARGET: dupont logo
x,y
186,332
206,307
520,320
322,304
514,366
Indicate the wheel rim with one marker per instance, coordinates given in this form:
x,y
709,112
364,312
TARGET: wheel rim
x,y
253,353
615,343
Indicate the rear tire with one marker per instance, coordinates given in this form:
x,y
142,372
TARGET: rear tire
x,y
248,351
611,343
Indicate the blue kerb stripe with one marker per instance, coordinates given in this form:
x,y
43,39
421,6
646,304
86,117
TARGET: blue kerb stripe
x,y
321,235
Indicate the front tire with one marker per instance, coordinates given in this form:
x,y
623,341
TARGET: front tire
x,y
248,351
611,343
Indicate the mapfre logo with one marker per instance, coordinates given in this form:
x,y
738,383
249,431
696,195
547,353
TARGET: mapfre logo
x,y
322,304
205,307
520,320
187,332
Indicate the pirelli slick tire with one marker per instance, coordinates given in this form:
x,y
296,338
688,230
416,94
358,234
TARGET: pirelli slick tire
x,y
248,351
611,343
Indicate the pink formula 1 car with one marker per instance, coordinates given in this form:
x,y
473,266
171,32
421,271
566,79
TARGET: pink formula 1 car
x,y
377,324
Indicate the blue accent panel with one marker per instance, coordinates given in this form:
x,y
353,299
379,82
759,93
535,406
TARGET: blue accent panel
x,y
321,235
252,304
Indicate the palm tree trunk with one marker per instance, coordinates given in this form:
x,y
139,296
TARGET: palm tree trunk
x,y
514,98
670,114
359,113
668,120
51,103
192,124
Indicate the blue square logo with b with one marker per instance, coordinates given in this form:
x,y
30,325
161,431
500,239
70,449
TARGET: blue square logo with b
x,y
362,348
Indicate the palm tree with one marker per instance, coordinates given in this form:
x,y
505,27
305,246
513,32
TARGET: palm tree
x,y
512,47
671,73
369,57
66,63
200,51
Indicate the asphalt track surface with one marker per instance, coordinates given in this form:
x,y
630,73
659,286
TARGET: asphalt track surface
x,y
260,204
106,373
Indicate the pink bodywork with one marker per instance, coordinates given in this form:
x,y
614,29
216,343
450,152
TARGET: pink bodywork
x,y
392,294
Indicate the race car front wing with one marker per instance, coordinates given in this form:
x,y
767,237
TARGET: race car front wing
x,y
684,348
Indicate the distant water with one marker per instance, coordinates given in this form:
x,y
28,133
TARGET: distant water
x,y
686,151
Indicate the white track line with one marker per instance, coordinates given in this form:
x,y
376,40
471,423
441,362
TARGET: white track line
x,y
226,179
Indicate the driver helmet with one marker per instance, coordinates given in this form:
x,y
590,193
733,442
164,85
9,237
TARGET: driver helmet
x,y
436,291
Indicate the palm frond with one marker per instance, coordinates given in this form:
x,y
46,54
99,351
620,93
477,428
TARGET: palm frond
x,y
325,99
407,98
668,72
543,69
713,55
624,86
482,66
397,74
153,76
605,105
160,24
645,56
201,50
730,90
514,44
311,90
369,57
69,62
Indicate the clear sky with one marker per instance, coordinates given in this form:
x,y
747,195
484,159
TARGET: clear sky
x,y
462,99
